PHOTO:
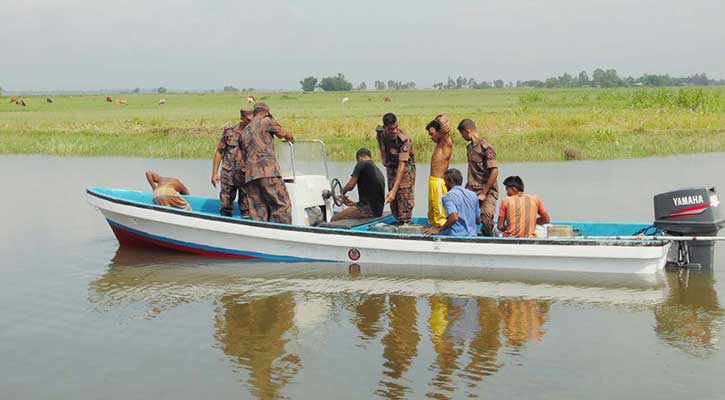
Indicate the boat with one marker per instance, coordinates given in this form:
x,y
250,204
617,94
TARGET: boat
x,y
598,247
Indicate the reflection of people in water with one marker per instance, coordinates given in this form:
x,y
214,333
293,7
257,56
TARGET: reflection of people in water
x,y
400,345
444,313
522,320
367,313
254,333
690,317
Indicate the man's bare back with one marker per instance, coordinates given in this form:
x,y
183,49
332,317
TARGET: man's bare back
x,y
441,157
155,180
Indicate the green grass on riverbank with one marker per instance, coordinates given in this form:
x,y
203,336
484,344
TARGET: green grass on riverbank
x,y
524,125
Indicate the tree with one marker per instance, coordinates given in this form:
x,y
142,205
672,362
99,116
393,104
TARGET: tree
x,y
161,90
379,85
308,84
362,86
438,85
498,83
137,90
584,79
335,83
230,89
1,91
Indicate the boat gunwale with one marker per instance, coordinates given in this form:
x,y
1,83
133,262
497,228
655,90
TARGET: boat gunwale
x,y
386,235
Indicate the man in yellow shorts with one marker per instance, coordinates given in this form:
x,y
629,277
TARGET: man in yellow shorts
x,y
439,131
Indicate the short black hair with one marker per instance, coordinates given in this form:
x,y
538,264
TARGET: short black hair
x,y
466,124
389,119
435,124
454,176
514,181
363,152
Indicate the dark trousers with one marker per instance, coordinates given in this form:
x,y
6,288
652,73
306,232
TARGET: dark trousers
x,y
269,200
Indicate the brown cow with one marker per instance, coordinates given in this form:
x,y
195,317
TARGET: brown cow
x,y
21,102
387,99
121,101
109,99
49,100
13,100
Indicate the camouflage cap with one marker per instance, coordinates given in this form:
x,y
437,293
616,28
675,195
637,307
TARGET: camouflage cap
x,y
261,106
246,113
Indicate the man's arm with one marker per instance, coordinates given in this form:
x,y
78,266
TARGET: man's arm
x,y
152,178
181,188
543,214
450,221
379,132
398,178
282,133
215,168
502,217
489,184
350,184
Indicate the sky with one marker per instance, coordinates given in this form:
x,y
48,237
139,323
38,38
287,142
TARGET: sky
x,y
273,44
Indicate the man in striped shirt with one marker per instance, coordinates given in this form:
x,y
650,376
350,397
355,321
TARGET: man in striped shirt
x,y
520,212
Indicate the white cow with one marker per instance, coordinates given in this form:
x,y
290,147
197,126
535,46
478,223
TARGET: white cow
x,y
345,100
162,101
251,100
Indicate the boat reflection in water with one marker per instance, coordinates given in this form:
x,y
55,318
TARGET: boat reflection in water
x,y
473,324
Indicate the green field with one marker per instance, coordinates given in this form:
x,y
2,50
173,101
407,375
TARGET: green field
x,y
523,124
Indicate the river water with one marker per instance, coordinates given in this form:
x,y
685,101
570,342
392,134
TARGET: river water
x,y
83,319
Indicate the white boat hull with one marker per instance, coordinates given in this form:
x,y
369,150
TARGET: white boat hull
x,y
248,239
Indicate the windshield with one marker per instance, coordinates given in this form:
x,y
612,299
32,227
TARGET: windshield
x,y
309,158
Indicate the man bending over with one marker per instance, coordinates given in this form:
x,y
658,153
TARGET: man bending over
x,y
518,213
168,191
462,210
371,189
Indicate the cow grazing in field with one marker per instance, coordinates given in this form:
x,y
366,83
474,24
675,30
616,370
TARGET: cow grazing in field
x,y
162,102
13,100
251,100
387,99
21,102
121,101
49,100
109,99
345,100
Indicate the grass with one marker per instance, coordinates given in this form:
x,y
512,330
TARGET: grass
x,y
524,125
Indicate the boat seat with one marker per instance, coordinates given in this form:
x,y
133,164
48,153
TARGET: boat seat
x,y
352,223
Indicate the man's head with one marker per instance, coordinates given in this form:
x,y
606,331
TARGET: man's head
x,y
514,185
246,116
467,128
453,178
434,131
390,124
363,154
261,110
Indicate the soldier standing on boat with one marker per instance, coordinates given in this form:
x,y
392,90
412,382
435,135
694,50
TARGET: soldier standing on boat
x,y
267,195
482,173
229,155
396,150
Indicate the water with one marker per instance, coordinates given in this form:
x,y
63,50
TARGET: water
x,y
83,319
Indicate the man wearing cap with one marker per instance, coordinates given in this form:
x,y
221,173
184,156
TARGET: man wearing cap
x,y
267,195
396,150
229,155
482,173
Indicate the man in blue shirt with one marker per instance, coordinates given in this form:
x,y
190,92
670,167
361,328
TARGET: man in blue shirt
x,y
461,206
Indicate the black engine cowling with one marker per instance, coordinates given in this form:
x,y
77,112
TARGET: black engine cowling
x,y
691,212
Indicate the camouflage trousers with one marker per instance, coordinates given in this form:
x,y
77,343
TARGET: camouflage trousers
x,y
269,201
230,190
402,206
488,209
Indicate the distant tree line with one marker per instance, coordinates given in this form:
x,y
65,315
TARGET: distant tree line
x,y
340,83
394,85
600,79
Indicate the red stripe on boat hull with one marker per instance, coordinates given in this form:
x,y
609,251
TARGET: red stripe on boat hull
x,y
131,239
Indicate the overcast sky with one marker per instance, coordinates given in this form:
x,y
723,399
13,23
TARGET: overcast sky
x,y
272,44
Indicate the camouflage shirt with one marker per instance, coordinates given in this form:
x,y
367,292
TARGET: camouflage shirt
x,y
391,147
230,150
481,159
257,143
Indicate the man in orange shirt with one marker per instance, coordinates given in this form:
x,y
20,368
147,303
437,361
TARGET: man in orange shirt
x,y
518,213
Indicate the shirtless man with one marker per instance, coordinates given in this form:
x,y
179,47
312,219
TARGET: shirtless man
x,y
439,131
168,191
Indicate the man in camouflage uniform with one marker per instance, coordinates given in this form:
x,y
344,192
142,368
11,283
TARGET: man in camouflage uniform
x,y
228,154
482,173
267,195
396,150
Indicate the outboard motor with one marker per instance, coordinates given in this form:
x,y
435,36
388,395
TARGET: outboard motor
x,y
690,212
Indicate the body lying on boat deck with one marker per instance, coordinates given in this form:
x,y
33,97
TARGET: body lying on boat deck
x,y
136,220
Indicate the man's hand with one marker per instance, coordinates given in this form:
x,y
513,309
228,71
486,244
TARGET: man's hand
x,y
214,179
432,231
346,201
290,138
482,196
391,196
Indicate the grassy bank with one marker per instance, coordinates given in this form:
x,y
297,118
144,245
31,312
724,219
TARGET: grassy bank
x,y
524,125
